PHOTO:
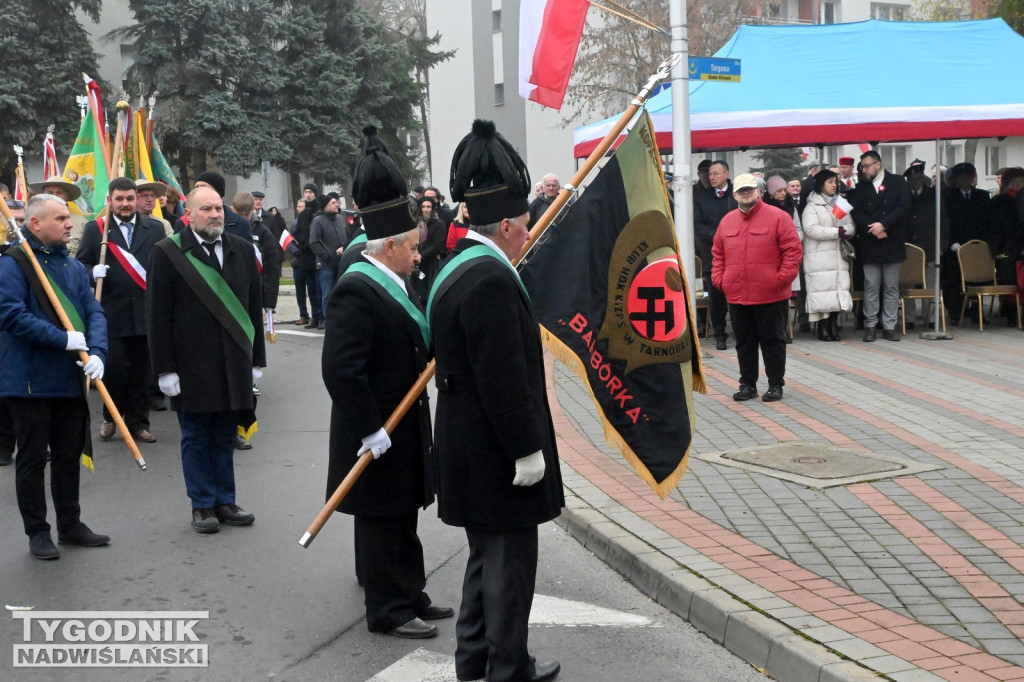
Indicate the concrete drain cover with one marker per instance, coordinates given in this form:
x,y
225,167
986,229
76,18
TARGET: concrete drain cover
x,y
816,465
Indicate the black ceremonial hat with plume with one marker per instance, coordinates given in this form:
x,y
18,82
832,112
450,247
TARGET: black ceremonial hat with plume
x,y
489,176
380,191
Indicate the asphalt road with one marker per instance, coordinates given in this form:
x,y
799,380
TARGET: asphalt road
x,y
277,611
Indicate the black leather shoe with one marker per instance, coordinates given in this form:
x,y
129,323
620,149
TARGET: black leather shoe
x,y
745,393
434,612
205,521
869,335
42,547
545,672
772,394
81,535
891,335
233,515
414,629
721,344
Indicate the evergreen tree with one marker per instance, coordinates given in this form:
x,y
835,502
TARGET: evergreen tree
x,y
42,76
785,162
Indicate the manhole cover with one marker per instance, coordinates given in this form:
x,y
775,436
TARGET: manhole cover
x,y
817,465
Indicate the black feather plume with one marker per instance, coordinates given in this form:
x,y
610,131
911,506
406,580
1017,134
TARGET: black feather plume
x,y
485,159
377,177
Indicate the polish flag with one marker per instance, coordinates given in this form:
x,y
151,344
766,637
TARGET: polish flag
x,y
549,35
286,240
842,208
50,167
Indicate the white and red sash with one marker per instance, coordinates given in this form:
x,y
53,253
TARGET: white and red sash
x,y
259,257
128,262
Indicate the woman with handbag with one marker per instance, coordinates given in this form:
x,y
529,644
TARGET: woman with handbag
x,y
826,249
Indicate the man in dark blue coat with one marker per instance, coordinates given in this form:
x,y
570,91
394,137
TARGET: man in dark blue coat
x,y
494,440
709,207
40,381
375,347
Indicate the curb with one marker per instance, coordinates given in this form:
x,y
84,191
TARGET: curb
x,y
764,642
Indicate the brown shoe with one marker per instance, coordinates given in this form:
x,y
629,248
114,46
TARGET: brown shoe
x,y
106,430
302,321
145,436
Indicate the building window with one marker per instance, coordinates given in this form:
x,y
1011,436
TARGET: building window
x,y
884,12
993,160
496,20
894,157
499,94
828,13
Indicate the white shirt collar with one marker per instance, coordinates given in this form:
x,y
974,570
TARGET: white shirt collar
x,y
477,237
387,271
877,182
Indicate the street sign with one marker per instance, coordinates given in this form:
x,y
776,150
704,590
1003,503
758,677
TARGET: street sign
x,y
714,69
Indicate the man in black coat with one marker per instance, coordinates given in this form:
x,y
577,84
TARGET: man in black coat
x,y
709,207
881,208
129,242
921,227
969,219
498,472
233,223
203,304
307,259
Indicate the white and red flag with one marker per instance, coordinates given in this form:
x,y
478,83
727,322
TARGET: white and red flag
x,y
50,167
286,240
549,36
842,208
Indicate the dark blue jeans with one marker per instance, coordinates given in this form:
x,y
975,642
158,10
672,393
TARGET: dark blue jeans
x,y
208,457
325,280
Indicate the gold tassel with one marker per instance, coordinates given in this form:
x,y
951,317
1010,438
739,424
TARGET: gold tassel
x,y
87,463
246,434
271,337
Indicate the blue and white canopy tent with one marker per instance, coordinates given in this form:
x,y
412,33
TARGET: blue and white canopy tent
x,y
875,81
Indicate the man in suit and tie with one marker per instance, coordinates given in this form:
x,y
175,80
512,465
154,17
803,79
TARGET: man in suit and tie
x,y
130,239
709,208
968,209
203,304
881,209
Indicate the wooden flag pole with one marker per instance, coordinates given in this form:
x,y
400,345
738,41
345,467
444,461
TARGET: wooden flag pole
x,y
428,372
83,356
122,109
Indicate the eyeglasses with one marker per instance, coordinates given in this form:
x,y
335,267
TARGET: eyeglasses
x,y
865,166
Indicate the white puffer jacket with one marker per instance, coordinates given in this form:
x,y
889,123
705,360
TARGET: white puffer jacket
x,y
826,274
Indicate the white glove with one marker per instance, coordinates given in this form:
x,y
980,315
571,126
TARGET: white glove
x,y
170,384
377,442
93,369
257,373
99,271
76,341
955,247
529,469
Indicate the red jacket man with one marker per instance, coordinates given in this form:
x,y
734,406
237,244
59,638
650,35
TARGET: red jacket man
x,y
756,255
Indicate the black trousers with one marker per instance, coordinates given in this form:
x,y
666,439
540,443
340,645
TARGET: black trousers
x,y
497,593
58,424
7,440
390,560
760,326
127,377
718,307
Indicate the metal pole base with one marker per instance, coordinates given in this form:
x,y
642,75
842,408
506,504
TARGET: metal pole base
x,y
307,539
141,462
936,336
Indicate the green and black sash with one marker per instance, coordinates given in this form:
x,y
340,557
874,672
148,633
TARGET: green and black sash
x,y
214,293
456,267
396,292
44,302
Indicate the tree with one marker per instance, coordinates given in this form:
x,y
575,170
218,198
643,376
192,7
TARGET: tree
x,y
213,84
407,19
617,57
785,162
1011,11
42,77
941,10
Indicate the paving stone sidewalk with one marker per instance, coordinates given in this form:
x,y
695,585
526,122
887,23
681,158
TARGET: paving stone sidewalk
x,y
909,577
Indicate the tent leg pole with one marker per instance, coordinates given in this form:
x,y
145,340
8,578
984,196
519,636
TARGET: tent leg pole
x,y
937,334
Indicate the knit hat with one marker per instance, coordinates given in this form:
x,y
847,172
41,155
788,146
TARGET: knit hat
x,y
214,180
311,186
489,175
775,183
380,190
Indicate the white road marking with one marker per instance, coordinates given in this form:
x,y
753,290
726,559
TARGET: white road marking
x,y
552,611
297,333
420,665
